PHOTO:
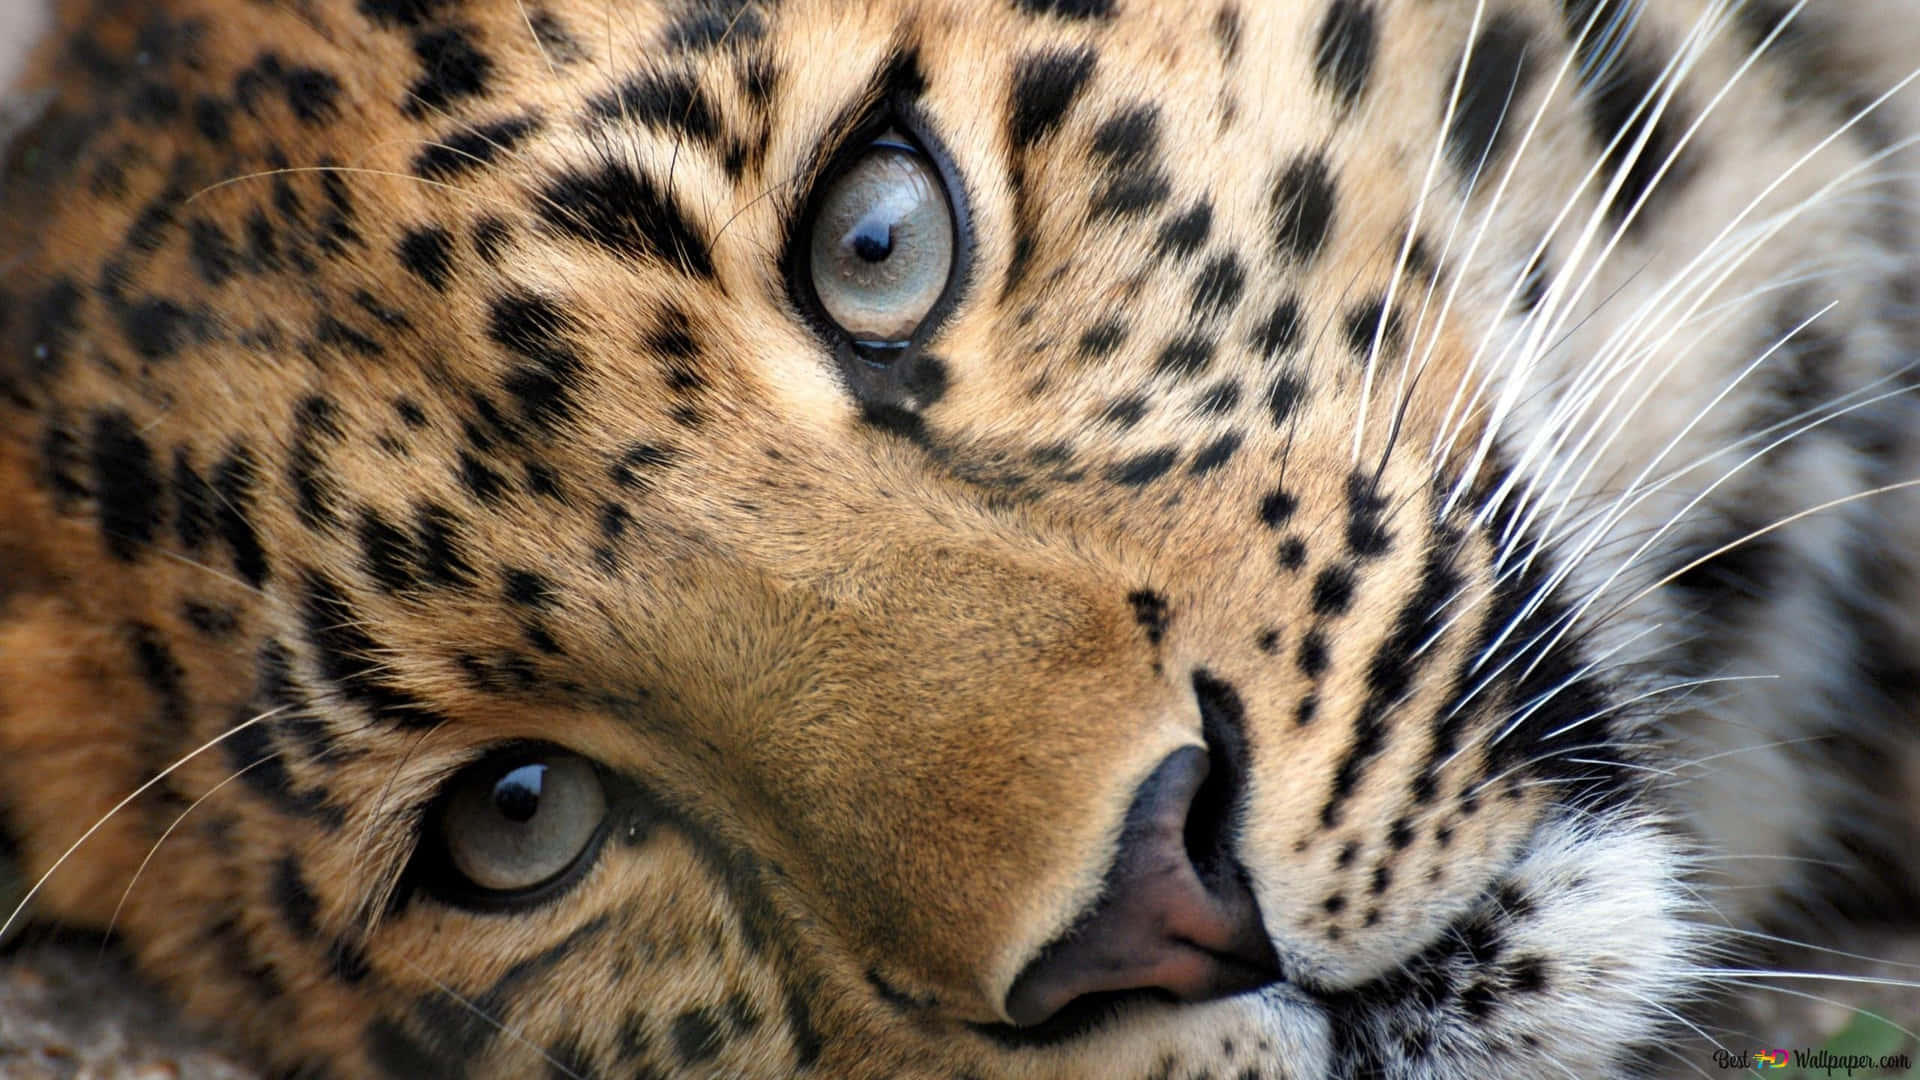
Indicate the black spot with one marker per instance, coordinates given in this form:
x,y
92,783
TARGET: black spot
x,y
1335,904
1622,90
298,908
1129,138
1144,468
234,477
1227,29
622,211
633,469
451,68
1344,57
533,328
1124,412
1499,70
1151,612
1186,356
331,332
1303,207
528,589
1217,287
353,660
1102,338
386,552
211,119
213,622
254,755
403,12
697,1036
1045,86
1068,9
1216,453
490,237
314,423
210,251
312,94
126,485
1277,508
156,327
1293,553
1370,319
51,324
1367,534
1130,195
1306,710
1312,657
1183,234
1269,641
192,502
1218,399
470,148
1283,396
668,102
708,26
1279,332
1333,591
481,479
1534,282
442,558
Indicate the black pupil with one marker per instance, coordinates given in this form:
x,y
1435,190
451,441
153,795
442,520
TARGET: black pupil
x,y
871,238
517,794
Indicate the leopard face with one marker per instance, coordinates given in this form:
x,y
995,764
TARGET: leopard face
x,y
1044,538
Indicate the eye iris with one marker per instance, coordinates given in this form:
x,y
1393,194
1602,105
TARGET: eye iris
x,y
517,794
509,825
882,244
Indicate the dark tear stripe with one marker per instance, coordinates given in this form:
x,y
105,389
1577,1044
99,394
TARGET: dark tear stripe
x,y
349,657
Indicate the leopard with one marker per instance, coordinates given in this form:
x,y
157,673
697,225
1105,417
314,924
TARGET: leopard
x,y
962,538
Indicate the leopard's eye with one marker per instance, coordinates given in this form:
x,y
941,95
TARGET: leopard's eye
x,y
515,822
882,243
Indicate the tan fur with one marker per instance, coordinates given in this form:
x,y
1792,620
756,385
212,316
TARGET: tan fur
x,y
893,693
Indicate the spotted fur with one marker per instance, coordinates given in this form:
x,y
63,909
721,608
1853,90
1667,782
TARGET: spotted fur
x,y
1420,399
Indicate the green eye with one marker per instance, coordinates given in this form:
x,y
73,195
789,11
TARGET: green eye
x,y
515,823
882,244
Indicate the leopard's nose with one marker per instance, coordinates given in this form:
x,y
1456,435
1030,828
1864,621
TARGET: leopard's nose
x,y
1175,916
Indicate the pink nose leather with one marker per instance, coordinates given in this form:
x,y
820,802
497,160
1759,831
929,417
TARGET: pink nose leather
x,y
1158,926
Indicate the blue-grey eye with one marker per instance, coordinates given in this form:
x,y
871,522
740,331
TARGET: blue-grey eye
x,y
510,825
882,243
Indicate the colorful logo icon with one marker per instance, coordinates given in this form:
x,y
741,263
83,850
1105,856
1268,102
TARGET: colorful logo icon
x,y
1770,1059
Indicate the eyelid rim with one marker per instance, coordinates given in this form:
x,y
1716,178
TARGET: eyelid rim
x,y
861,360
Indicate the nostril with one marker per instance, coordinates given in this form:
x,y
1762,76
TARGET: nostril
x,y
1211,819
1176,917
